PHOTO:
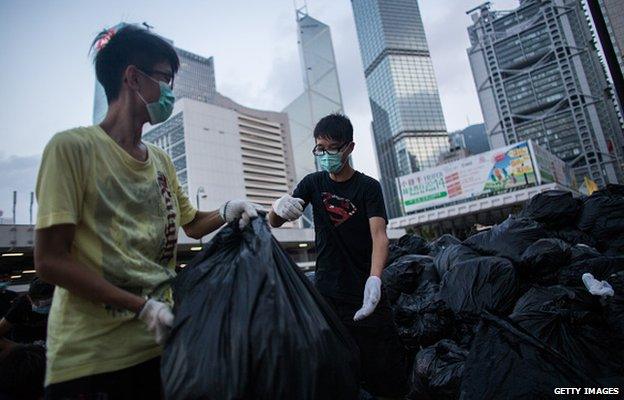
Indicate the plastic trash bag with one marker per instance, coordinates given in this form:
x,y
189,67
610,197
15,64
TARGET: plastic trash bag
x,y
505,362
407,274
413,244
451,255
441,243
572,236
249,325
508,239
542,260
602,216
437,371
552,208
615,304
485,283
601,268
422,318
581,252
571,322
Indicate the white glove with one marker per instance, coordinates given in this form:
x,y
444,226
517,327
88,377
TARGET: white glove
x,y
288,207
159,319
372,294
235,209
596,287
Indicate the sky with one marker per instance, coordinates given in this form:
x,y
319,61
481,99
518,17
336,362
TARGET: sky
x,y
47,78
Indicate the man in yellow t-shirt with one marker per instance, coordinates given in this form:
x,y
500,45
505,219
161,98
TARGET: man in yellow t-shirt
x,y
110,207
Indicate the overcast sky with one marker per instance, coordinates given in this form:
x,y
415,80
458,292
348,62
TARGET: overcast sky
x,y
47,77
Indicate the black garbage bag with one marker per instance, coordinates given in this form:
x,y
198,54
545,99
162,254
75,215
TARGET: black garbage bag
x,y
505,362
407,274
441,243
311,275
615,304
542,260
394,252
485,283
602,216
571,322
249,325
413,244
451,255
552,208
508,239
422,318
601,268
572,236
437,371
580,252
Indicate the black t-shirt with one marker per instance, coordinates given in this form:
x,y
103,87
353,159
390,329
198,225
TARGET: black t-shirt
x,y
28,326
342,270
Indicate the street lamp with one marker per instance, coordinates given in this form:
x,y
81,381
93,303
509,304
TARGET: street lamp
x,y
202,191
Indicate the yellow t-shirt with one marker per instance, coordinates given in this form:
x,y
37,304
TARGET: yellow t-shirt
x,y
127,215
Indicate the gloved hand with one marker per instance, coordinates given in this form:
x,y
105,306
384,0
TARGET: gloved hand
x,y
372,295
159,319
288,207
235,209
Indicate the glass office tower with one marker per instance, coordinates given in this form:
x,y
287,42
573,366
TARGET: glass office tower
x,y
408,124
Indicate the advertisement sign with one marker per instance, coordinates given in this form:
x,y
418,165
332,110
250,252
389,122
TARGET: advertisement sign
x,y
492,171
551,169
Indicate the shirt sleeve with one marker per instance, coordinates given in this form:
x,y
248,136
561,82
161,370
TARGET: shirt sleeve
x,y
375,202
61,182
304,189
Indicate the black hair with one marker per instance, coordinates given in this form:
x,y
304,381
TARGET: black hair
x,y
128,45
22,372
335,127
40,290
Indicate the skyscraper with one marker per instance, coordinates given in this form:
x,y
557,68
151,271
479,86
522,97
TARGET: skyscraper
x,y
538,77
608,16
195,80
321,94
408,124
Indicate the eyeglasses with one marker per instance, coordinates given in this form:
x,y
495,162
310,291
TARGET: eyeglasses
x,y
319,151
168,78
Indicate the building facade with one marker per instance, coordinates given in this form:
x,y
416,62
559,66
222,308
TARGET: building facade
x,y
472,138
608,16
538,76
195,80
223,151
408,125
321,95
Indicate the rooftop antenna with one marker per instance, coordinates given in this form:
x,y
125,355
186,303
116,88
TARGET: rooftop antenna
x,y
148,26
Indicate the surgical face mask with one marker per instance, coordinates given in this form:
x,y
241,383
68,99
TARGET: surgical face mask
x,y
42,307
331,162
160,110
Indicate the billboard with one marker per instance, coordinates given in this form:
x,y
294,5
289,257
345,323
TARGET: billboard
x,y
489,172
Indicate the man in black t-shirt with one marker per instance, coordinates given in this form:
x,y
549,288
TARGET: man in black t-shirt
x,y
27,319
352,248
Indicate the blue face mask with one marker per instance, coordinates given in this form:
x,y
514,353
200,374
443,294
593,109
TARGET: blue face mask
x,y
41,309
160,110
331,163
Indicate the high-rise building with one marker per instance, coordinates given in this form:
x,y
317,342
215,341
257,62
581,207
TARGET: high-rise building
x,y
408,124
472,138
195,80
608,16
538,77
321,95
224,150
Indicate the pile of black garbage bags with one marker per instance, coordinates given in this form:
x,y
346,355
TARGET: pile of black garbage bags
x,y
506,314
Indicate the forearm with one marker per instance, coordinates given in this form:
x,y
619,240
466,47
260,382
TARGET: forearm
x,y
275,220
82,281
205,222
379,256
